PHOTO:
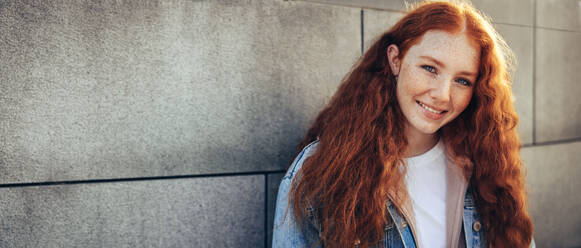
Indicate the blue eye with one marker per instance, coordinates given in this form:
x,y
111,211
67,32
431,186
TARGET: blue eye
x,y
429,68
464,82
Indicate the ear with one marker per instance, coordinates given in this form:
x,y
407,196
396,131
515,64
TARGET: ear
x,y
393,58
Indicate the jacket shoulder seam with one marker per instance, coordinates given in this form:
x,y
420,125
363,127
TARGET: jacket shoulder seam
x,y
294,167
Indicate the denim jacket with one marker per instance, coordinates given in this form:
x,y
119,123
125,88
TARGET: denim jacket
x,y
289,233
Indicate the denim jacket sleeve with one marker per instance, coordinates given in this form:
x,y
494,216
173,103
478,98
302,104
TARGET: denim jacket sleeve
x,y
287,232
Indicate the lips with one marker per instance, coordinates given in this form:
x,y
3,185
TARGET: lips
x,y
430,111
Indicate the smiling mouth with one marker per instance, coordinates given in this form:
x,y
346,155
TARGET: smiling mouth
x,y
431,110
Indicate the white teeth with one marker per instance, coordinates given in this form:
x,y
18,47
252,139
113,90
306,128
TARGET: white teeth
x,y
430,109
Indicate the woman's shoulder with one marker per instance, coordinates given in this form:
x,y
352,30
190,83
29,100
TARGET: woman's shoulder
x,y
297,164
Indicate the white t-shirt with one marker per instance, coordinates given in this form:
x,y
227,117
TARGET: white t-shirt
x,y
426,184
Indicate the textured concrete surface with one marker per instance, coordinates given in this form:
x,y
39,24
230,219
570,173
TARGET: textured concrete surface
x,y
272,183
377,22
554,201
518,12
558,106
114,89
193,212
375,4
125,88
559,14
520,40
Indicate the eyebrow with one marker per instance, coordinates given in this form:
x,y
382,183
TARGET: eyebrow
x,y
440,64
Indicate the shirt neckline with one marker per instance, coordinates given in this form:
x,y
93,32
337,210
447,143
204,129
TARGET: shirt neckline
x,y
430,155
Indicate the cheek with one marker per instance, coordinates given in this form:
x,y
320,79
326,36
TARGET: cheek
x,y
411,85
400,91
462,100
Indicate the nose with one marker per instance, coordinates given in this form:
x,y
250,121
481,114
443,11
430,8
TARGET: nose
x,y
440,92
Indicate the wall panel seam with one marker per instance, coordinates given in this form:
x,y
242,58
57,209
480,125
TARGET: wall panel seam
x,y
362,32
534,72
266,210
115,180
555,142
559,29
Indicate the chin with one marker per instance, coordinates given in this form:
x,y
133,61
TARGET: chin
x,y
428,129
430,132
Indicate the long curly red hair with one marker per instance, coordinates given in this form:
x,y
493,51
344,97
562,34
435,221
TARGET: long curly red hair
x,y
361,139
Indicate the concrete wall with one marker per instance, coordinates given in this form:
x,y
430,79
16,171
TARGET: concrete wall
x,y
169,123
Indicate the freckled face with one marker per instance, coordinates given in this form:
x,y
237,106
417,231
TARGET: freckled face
x,y
435,79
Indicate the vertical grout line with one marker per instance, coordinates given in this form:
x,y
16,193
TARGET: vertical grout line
x,y
265,210
362,30
534,72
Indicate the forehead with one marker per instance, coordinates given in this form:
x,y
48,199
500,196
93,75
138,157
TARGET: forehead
x,y
456,49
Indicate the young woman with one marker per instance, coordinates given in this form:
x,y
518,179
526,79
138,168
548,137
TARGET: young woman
x,y
418,147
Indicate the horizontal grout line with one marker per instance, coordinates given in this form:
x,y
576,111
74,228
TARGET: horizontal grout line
x,y
401,11
133,179
560,29
556,142
348,5
391,10
227,174
513,24
404,11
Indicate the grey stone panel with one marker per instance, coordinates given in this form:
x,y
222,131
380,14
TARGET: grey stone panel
x,y
192,212
115,89
519,12
553,188
520,40
395,5
559,14
558,106
509,12
377,22
272,182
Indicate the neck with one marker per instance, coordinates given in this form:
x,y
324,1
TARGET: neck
x,y
419,143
